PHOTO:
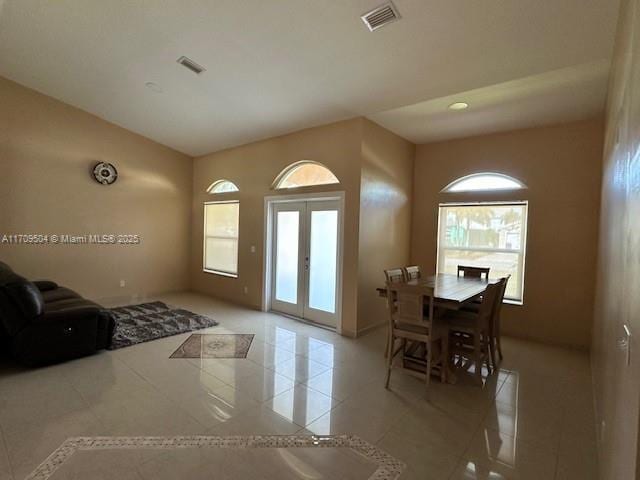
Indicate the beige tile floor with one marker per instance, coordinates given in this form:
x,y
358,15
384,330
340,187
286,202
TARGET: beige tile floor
x,y
532,420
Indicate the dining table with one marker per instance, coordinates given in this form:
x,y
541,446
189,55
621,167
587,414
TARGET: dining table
x,y
450,292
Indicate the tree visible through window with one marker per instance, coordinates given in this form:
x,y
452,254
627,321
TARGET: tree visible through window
x,y
485,235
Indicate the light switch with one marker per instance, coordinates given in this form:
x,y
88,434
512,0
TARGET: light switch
x,y
253,249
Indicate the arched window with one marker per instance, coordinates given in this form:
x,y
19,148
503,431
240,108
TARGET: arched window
x,y
304,174
222,186
484,182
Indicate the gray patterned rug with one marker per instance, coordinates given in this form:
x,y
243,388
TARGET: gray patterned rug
x,y
150,321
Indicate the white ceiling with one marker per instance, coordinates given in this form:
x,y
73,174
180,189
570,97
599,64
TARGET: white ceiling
x,y
282,65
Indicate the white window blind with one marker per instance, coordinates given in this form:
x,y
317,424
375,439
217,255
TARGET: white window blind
x,y
485,235
221,237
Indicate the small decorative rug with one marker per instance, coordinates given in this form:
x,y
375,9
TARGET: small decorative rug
x,y
208,345
150,321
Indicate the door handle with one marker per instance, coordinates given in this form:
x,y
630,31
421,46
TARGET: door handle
x,y
624,343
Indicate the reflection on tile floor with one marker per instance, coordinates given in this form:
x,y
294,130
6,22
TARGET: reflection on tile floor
x,y
204,457
532,420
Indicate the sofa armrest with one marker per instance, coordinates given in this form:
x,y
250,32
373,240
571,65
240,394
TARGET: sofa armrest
x,y
71,314
45,285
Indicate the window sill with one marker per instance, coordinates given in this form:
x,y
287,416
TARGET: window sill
x,y
222,274
519,303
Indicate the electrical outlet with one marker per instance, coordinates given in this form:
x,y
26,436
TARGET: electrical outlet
x,y
123,283
246,290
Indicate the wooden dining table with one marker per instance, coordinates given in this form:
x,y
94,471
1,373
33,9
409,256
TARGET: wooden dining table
x,y
450,292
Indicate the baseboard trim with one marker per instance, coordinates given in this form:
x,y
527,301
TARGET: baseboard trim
x,y
369,328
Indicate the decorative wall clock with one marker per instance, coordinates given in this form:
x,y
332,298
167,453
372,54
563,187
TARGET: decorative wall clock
x,y
105,173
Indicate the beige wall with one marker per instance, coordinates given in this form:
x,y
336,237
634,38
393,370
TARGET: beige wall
x,y
617,385
561,165
253,168
385,216
47,151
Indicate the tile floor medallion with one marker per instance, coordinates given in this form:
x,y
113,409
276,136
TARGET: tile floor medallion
x,y
215,346
205,457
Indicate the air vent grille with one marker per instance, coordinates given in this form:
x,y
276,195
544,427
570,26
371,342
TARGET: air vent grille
x,y
381,16
191,65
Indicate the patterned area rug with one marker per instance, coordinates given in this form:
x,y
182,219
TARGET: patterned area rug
x,y
198,345
150,321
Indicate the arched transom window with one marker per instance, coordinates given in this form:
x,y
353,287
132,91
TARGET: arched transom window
x,y
222,186
304,174
484,182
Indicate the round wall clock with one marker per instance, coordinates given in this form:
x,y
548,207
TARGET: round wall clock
x,y
105,173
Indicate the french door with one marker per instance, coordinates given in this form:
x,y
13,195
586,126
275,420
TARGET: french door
x,y
305,260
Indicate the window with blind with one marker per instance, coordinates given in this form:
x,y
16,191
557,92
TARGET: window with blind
x,y
221,238
485,235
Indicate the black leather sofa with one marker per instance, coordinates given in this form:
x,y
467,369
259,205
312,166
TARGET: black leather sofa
x,y
42,323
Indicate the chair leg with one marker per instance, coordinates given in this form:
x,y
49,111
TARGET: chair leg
x,y
499,345
477,355
444,359
492,354
390,342
429,365
386,347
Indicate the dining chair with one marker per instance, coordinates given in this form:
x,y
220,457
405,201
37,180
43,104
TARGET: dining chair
x,y
408,323
412,272
470,332
474,272
494,333
495,327
392,276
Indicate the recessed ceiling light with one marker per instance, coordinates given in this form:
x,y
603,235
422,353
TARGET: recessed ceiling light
x,y
459,106
154,87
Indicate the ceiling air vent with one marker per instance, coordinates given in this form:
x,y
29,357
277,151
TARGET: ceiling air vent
x,y
191,65
381,16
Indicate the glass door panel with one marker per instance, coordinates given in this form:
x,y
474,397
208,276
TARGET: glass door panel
x,y
287,256
322,262
288,263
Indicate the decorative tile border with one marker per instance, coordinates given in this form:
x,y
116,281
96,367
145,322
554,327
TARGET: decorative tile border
x,y
388,467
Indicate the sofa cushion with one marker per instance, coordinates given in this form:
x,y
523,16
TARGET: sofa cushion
x,y
69,303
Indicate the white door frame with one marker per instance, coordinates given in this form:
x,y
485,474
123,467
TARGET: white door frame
x,y
269,202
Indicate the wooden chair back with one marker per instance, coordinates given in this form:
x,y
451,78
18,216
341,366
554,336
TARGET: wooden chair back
x,y
406,307
473,272
495,324
412,272
489,304
394,275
